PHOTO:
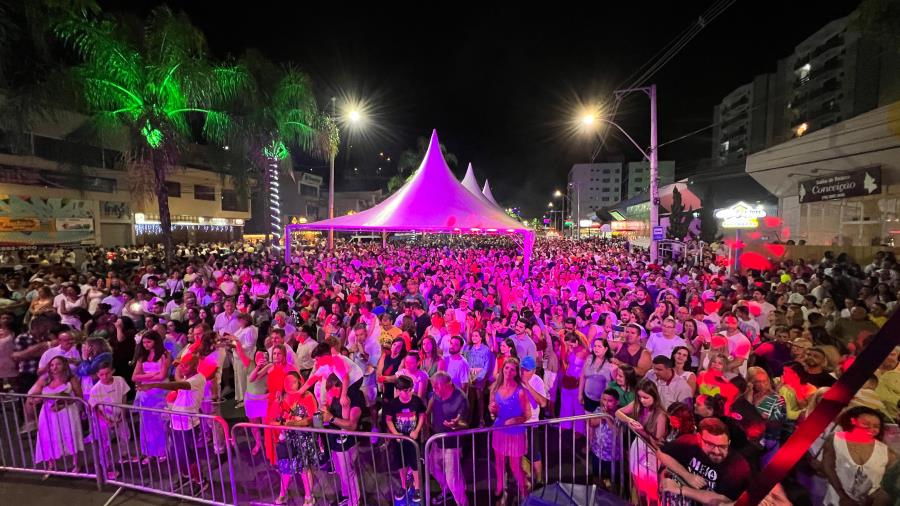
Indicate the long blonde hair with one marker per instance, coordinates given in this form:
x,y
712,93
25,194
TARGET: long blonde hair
x,y
498,381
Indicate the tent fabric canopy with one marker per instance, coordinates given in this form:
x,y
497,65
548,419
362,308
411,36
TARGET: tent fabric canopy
x,y
431,201
486,191
470,183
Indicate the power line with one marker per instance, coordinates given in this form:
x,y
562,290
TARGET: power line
x,y
663,56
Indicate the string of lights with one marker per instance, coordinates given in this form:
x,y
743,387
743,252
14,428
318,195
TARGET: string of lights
x,y
156,229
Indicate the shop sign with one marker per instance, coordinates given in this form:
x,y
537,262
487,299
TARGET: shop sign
x,y
70,224
838,186
741,215
8,224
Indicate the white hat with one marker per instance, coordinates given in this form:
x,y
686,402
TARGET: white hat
x,y
796,298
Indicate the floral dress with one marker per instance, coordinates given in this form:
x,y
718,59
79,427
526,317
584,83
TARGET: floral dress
x,y
297,450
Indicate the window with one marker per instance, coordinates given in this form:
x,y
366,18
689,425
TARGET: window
x,y
606,171
10,174
204,192
638,180
174,189
616,180
605,199
637,188
63,151
606,180
312,212
233,201
309,191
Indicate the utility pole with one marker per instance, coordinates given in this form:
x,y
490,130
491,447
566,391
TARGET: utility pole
x,y
331,183
653,158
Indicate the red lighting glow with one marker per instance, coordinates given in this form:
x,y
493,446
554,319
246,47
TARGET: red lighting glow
x,y
752,260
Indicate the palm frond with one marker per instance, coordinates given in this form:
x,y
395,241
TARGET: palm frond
x,y
104,53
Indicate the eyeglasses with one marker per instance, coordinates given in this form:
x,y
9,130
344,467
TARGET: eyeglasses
x,y
714,446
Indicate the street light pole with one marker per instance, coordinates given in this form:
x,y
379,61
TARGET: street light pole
x,y
331,179
652,157
331,200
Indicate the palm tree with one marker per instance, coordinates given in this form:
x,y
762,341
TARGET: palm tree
x,y
155,86
409,161
279,116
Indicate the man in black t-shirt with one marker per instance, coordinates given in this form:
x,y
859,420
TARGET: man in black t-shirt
x,y
710,473
405,416
345,417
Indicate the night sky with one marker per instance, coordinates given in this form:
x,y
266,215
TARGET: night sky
x,y
500,84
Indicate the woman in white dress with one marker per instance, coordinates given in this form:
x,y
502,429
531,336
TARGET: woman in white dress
x,y
69,305
645,415
854,460
59,423
94,295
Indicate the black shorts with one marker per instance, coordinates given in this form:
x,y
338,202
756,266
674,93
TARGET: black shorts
x,y
404,454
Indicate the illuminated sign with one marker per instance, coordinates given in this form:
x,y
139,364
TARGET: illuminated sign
x,y
741,215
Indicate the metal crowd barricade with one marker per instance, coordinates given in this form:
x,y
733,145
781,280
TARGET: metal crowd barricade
x,y
646,473
556,463
140,448
366,473
46,434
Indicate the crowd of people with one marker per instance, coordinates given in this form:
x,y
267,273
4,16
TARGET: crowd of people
x,y
712,370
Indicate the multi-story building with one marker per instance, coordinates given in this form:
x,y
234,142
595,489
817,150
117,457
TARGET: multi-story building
x,y
595,185
56,191
831,76
638,178
743,121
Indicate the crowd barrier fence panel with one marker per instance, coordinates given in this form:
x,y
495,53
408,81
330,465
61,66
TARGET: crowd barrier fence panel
x,y
557,453
165,452
48,435
362,466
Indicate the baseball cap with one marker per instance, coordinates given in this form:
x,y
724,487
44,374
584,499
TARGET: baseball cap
x,y
528,363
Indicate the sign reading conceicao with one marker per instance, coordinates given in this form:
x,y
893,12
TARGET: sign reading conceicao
x,y
837,186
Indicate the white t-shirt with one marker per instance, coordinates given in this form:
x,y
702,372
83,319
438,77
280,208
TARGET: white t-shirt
x,y
110,394
739,347
188,401
247,336
458,369
354,371
657,344
537,384
225,324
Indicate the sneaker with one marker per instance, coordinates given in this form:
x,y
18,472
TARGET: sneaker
x,y
27,428
400,500
415,497
440,500
343,501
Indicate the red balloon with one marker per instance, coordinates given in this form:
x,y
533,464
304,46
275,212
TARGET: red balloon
x,y
751,260
711,306
755,235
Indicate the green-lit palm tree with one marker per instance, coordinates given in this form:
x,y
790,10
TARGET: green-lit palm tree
x,y
280,115
409,161
155,86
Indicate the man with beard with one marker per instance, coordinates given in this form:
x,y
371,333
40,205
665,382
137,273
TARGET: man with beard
x,y
707,471
817,367
642,300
